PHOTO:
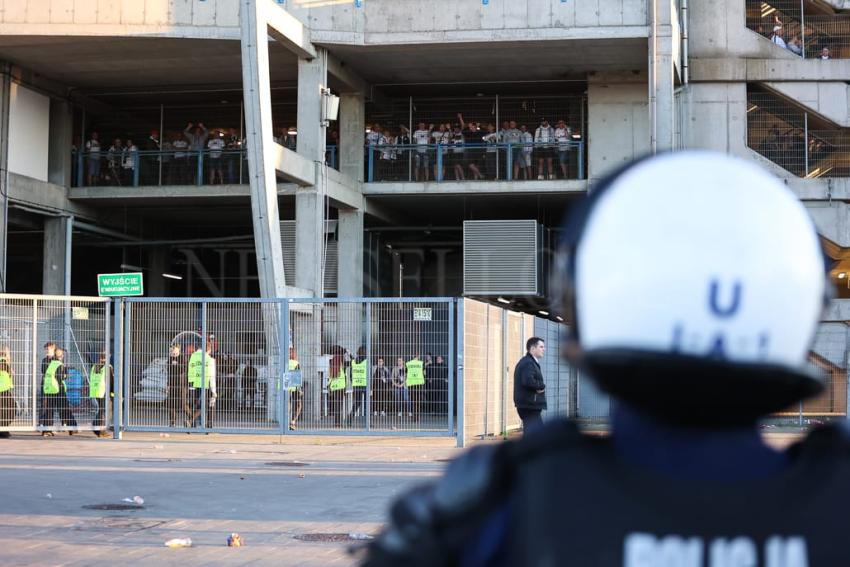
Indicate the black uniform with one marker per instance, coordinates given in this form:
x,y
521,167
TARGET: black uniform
x,y
581,505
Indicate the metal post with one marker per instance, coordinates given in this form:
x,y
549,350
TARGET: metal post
x,y
498,127
125,363
283,362
137,165
410,135
36,371
161,126
803,28
368,408
504,372
200,180
450,362
204,340
80,165
456,376
241,138
439,163
806,140
581,160
510,169
371,176
69,234
107,349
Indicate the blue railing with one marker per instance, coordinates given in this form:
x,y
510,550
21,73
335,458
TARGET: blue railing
x,y
467,162
144,168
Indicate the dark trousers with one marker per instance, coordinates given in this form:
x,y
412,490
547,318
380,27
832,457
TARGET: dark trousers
x,y
530,418
51,404
336,405
196,399
101,412
7,408
416,399
359,395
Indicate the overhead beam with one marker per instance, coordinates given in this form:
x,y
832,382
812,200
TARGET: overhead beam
x,y
352,83
287,29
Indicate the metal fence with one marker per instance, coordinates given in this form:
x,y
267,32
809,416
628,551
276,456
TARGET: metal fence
x,y
53,349
144,168
475,162
791,25
290,366
795,139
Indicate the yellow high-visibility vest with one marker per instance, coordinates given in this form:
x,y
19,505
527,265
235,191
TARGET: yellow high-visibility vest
x,y
415,374
97,381
359,372
293,365
5,377
196,375
50,385
338,383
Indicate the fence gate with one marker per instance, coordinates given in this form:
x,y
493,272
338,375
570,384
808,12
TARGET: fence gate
x,y
289,366
78,328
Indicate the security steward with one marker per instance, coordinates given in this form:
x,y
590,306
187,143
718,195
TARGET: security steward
x,y
415,383
671,274
7,385
99,376
336,387
296,393
359,380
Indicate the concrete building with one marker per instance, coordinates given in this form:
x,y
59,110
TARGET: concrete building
x,y
626,76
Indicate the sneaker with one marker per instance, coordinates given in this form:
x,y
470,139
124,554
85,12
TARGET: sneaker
x,y
539,178
374,413
70,433
410,414
5,434
47,434
399,414
292,426
383,413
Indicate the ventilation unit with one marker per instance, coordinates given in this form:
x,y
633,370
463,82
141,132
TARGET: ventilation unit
x,y
503,257
287,241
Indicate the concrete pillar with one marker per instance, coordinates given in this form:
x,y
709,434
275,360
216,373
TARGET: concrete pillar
x,y
352,113
309,241
59,144
259,139
662,107
350,260
56,266
312,78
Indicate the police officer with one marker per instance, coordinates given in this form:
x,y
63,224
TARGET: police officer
x,y
415,383
696,283
7,398
100,376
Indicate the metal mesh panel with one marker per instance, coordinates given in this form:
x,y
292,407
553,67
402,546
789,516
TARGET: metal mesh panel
x,y
233,348
58,396
792,27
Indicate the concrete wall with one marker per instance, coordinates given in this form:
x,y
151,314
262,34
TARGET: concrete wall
x,y
715,117
717,28
385,21
29,132
618,121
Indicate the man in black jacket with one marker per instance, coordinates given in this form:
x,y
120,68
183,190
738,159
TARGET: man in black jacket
x,y
529,388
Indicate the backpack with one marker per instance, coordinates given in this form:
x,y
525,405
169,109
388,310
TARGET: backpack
x,y
74,387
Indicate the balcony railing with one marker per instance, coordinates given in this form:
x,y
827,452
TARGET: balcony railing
x,y
473,162
143,168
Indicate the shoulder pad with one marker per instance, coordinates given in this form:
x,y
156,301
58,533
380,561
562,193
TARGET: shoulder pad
x,y
429,524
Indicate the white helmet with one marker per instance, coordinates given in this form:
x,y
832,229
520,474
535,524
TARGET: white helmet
x,y
696,282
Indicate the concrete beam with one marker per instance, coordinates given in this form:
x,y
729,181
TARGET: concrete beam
x,y
312,79
47,196
350,254
293,167
352,124
351,81
309,241
287,29
719,69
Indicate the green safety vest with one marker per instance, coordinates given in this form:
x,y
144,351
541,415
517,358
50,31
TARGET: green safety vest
x,y
50,385
5,377
97,382
415,374
293,365
338,383
359,371
196,375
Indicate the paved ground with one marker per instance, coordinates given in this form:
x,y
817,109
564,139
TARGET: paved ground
x,y
202,487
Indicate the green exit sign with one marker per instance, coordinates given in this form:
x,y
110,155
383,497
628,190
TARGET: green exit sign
x,y
119,285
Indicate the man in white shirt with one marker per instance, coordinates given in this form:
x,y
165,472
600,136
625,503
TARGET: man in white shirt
x,y
544,138
563,135
131,153
214,164
513,137
93,151
179,171
777,36
422,162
